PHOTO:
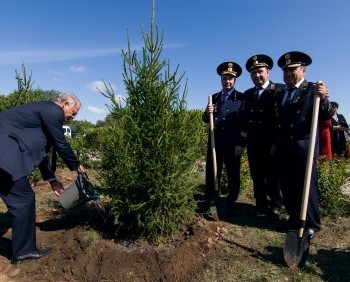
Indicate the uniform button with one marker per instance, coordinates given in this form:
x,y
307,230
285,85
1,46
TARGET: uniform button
x,y
291,125
216,118
259,121
223,119
298,112
291,137
261,111
251,110
250,121
227,111
279,126
222,128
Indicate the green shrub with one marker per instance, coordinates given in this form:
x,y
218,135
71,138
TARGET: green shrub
x,y
149,155
331,176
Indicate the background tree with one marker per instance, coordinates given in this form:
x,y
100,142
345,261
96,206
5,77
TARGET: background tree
x,y
24,93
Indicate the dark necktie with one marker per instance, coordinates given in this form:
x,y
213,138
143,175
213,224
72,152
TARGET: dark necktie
x,y
256,93
289,96
224,96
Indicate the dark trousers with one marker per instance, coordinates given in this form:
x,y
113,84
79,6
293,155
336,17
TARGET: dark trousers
x,y
263,170
232,166
292,174
20,201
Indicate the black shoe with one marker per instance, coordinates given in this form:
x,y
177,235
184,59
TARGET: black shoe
x,y
38,253
274,213
231,209
261,211
208,216
310,232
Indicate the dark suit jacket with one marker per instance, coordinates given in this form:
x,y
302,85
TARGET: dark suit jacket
x,y
227,120
26,134
294,121
259,115
338,137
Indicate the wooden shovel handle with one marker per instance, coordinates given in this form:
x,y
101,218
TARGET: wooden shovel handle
x,y
212,142
309,163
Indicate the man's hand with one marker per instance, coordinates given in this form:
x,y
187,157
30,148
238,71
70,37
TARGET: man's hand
x,y
321,90
209,109
57,188
81,169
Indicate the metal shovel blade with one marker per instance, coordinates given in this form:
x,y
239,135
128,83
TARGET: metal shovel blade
x,y
219,211
296,249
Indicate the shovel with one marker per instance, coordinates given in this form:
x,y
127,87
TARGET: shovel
x,y
219,201
296,245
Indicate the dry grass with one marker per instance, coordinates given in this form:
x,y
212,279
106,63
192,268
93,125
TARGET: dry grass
x,y
252,250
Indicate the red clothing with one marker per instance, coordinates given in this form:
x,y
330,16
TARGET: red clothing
x,y
325,138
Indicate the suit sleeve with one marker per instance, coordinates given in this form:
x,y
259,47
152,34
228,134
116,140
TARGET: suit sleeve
x,y
46,169
52,119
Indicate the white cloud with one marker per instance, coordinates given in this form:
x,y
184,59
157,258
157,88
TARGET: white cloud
x,y
35,56
52,55
96,110
77,69
98,86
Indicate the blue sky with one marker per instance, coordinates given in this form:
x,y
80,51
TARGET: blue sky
x,y
71,45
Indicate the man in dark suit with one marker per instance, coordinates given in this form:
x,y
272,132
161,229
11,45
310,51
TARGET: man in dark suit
x,y
339,128
294,108
27,132
259,130
227,110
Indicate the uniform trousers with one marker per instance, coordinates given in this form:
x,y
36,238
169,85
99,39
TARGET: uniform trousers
x,y
292,174
232,165
20,200
262,167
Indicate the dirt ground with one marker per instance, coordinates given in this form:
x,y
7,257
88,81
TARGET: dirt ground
x,y
241,248
82,253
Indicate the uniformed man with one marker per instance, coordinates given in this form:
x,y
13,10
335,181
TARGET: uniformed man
x,y
294,108
259,129
227,110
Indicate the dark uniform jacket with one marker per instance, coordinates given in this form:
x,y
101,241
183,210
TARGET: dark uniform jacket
x,y
259,115
294,121
26,134
227,120
338,137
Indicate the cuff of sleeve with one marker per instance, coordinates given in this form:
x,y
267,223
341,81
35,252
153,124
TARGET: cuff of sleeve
x,y
52,180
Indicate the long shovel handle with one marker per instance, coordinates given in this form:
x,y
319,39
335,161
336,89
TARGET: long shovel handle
x,y
309,163
212,142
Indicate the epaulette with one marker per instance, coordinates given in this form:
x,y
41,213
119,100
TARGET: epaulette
x,y
304,85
